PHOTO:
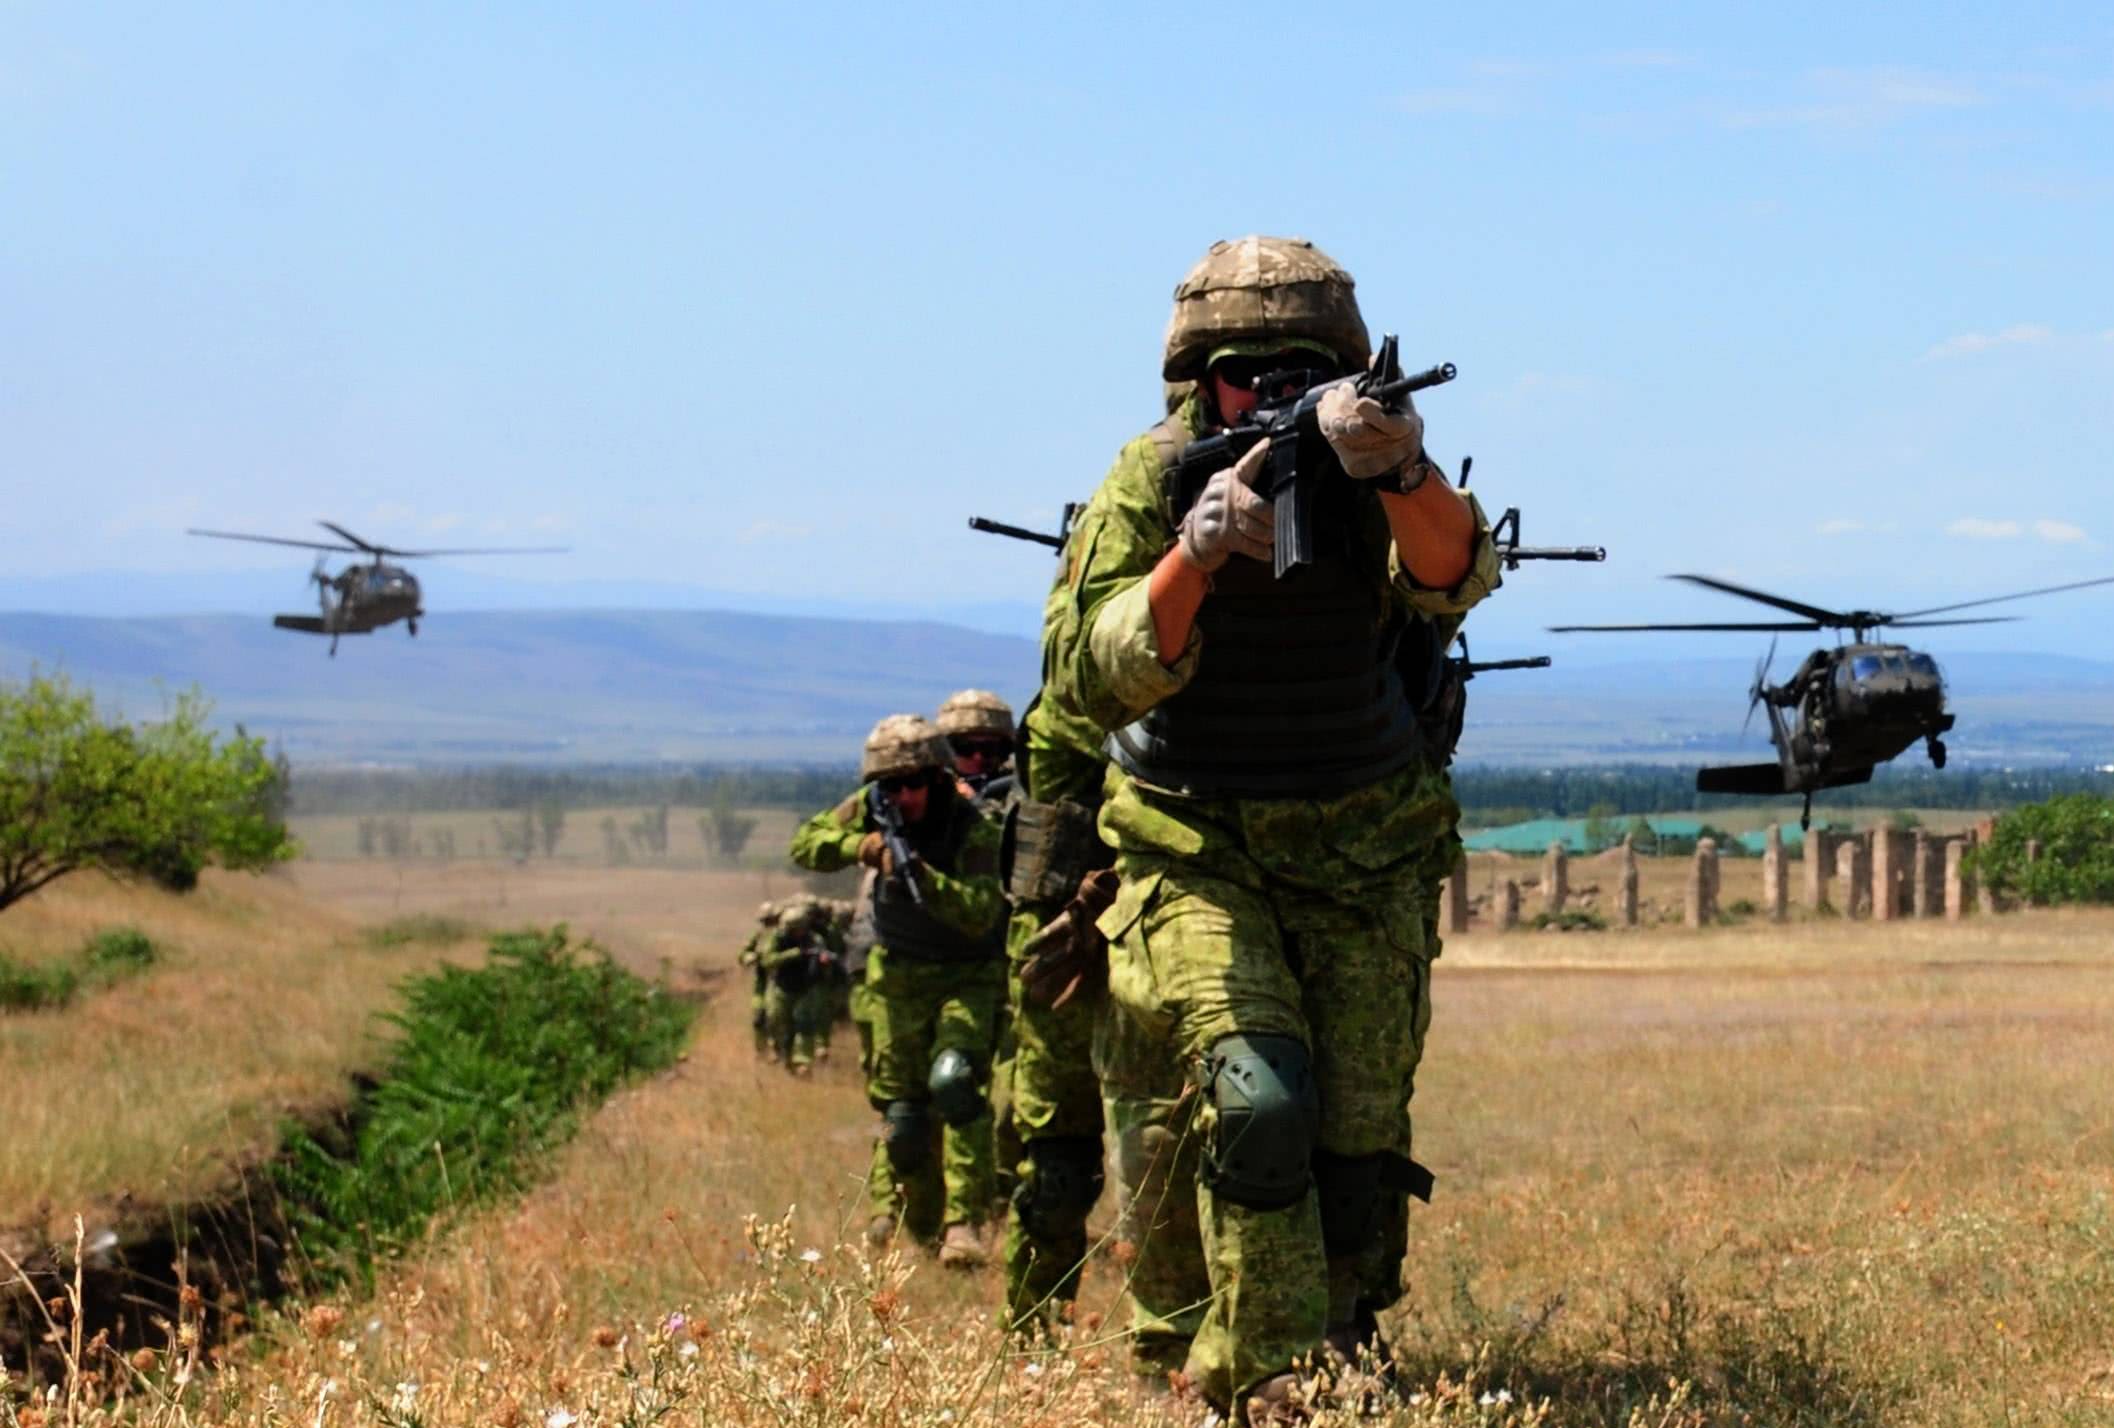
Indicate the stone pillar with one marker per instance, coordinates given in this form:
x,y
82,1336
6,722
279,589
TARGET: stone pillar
x,y
1816,861
1927,876
1955,879
1626,887
1852,883
1773,875
1507,905
1453,898
1555,879
1702,909
1886,874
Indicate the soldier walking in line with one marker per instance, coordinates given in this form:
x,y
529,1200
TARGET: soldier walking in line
x,y
751,956
934,975
1273,812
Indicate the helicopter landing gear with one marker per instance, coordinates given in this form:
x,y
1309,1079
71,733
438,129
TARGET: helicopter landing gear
x,y
1936,747
413,624
333,646
1805,815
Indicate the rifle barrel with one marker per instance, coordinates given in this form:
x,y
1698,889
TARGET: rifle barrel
x,y
978,523
1534,662
1510,553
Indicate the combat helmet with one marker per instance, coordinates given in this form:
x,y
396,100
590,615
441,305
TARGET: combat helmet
x,y
976,711
768,912
1246,290
903,744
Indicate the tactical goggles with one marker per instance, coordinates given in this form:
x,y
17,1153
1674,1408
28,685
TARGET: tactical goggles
x,y
1243,372
900,783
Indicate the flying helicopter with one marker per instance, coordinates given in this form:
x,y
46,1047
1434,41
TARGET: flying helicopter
x,y
364,596
1845,710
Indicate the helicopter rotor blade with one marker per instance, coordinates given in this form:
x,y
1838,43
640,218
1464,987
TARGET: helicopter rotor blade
x,y
485,550
369,546
1796,607
270,540
1762,626
1994,599
1971,620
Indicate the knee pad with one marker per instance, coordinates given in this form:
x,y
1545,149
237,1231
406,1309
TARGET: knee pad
x,y
1063,1182
907,1135
956,1096
1352,1190
1269,1113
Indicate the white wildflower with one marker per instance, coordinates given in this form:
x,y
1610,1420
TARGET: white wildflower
x,y
560,1418
1033,1370
687,1351
405,1397
811,1256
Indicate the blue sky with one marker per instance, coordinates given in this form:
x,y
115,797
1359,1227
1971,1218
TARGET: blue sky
x,y
763,304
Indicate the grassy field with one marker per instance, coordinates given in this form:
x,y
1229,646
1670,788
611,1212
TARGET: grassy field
x,y
1824,1173
585,836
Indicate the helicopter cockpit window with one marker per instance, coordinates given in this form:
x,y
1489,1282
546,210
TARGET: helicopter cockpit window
x,y
1924,665
1866,667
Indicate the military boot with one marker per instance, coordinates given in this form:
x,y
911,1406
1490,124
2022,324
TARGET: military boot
x,y
962,1248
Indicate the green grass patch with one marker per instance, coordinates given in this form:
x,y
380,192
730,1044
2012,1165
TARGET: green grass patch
x,y
428,928
1571,919
109,956
493,1068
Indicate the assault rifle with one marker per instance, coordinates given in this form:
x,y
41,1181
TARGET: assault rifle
x,y
1285,415
890,824
1054,542
1504,538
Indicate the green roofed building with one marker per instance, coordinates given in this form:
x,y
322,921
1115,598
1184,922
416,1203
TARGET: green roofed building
x,y
1536,835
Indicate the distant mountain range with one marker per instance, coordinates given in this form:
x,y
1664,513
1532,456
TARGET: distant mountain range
x,y
553,686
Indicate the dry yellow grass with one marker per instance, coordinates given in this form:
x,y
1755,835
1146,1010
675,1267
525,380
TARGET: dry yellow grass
x,y
156,1087
1826,1173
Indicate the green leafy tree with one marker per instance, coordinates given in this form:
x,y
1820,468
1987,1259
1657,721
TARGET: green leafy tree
x,y
2076,853
1599,831
158,801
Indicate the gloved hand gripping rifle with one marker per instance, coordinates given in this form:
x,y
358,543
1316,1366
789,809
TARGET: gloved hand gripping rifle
x,y
1300,458
888,821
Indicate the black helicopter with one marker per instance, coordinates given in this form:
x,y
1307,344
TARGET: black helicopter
x,y
1853,707
363,597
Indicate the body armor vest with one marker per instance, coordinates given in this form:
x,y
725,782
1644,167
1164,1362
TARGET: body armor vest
x,y
1297,694
907,930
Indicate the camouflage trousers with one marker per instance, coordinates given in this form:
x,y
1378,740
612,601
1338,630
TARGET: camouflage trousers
x,y
796,1023
759,1010
1056,1113
1197,956
860,1001
919,1010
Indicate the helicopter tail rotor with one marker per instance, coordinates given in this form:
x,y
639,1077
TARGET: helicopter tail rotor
x,y
1754,690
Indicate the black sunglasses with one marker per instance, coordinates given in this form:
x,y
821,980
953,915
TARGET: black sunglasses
x,y
1245,372
993,749
900,783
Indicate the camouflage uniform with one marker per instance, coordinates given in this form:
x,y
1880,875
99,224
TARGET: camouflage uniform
x,y
801,962
928,1002
1247,925
1056,1100
751,956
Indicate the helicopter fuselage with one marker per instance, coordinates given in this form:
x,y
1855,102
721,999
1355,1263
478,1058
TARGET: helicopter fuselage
x,y
1856,706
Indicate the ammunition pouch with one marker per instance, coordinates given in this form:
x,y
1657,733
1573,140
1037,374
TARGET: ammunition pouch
x,y
1048,848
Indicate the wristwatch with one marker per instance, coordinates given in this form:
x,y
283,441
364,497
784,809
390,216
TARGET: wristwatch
x,y
1408,476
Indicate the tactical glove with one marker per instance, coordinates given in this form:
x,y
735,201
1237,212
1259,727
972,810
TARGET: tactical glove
x,y
1367,438
873,852
1069,955
1228,518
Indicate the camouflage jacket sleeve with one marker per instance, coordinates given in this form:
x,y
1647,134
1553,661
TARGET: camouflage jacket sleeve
x,y
830,840
752,950
777,952
970,899
1106,664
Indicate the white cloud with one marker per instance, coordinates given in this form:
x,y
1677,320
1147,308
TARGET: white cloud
x,y
2017,335
2058,532
1975,528
1861,99
1839,526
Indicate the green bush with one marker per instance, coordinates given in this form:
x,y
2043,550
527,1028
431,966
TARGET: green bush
x,y
1571,919
32,987
117,953
2076,863
492,1068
